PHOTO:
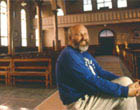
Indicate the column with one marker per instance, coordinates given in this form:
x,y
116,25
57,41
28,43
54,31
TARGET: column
x,y
56,29
114,4
10,47
94,5
66,36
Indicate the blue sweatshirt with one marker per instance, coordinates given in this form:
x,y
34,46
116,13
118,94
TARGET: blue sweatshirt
x,y
78,74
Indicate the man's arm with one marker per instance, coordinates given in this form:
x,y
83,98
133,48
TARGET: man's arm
x,y
91,82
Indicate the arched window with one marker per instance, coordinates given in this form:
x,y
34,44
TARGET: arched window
x,y
36,38
106,33
23,28
60,12
122,3
3,23
104,4
87,5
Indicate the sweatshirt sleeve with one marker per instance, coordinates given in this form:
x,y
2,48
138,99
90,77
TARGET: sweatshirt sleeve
x,y
91,82
103,73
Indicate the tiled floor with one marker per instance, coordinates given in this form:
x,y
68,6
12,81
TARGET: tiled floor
x,y
23,96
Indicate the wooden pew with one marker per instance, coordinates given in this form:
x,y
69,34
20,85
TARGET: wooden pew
x,y
136,57
4,68
131,60
31,67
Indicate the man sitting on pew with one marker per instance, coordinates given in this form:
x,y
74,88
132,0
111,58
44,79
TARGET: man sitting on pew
x,y
84,85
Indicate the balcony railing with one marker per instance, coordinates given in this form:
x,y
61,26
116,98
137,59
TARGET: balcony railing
x,y
96,18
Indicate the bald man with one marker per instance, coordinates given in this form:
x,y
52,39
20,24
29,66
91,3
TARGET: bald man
x,y
84,85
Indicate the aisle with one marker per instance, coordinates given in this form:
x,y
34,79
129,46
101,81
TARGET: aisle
x,y
110,63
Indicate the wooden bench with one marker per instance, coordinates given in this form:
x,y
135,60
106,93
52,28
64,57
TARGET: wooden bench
x,y
52,103
4,69
31,67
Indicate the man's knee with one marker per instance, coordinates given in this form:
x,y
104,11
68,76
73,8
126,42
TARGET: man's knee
x,y
125,81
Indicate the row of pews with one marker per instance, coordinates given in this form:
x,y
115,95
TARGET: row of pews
x,y
28,67
13,68
130,55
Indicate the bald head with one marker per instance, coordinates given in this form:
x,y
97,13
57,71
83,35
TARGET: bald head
x,y
78,37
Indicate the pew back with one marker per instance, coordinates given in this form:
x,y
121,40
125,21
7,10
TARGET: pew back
x,y
4,68
31,67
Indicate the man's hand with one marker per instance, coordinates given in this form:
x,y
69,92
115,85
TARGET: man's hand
x,y
134,89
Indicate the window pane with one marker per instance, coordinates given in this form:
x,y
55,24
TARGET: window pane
x,y
106,33
85,1
36,16
100,5
104,3
24,42
99,1
23,28
108,4
60,12
3,23
109,33
37,43
36,38
87,7
107,0
23,36
4,41
89,1
122,3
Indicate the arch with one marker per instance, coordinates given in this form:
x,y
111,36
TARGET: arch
x,y
3,23
106,33
23,28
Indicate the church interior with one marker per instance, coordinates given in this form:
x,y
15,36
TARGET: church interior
x,y
33,33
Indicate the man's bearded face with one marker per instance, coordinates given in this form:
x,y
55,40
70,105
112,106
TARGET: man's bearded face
x,y
81,44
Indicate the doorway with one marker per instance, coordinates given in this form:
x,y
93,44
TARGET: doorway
x,y
106,41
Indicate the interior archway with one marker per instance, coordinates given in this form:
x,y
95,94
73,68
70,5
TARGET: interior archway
x,y
107,41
